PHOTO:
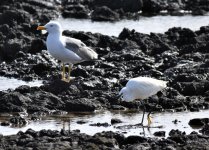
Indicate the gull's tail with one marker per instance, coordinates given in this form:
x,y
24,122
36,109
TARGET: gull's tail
x,y
92,54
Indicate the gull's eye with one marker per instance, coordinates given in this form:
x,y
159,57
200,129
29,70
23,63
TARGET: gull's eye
x,y
51,25
121,96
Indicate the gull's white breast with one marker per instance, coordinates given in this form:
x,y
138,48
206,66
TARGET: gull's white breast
x,y
56,47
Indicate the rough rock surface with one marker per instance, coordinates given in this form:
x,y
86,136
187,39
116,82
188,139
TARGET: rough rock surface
x,y
65,139
179,56
133,8
104,14
18,22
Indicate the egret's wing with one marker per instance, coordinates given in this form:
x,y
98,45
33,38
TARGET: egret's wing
x,y
80,49
147,82
145,87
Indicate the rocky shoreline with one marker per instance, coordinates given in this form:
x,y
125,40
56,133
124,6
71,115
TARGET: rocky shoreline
x,y
179,56
64,139
108,10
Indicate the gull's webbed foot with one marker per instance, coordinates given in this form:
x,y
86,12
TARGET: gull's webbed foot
x,y
65,80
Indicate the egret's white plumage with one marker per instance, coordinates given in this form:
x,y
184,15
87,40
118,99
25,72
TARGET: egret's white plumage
x,y
141,88
66,49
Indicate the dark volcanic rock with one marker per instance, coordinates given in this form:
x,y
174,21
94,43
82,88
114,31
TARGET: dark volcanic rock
x,y
174,133
159,133
23,89
11,17
135,8
10,48
153,6
135,139
18,26
66,139
6,123
80,105
81,122
179,56
198,7
198,12
104,14
205,129
115,121
14,102
75,11
117,107
17,120
131,54
100,124
37,45
198,122
193,88
126,5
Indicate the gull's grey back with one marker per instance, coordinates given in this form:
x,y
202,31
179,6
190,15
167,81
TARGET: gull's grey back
x,y
80,49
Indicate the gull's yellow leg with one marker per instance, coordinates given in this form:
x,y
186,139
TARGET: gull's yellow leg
x,y
63,72
69,71
149,119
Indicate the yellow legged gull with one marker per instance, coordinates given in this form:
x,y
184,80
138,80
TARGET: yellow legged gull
x,y
66,49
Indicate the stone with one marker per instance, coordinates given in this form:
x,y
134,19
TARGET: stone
x,y
104,14
160,133
115,121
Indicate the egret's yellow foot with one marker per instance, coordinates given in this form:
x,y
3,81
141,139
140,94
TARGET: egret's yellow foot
x,y
149,119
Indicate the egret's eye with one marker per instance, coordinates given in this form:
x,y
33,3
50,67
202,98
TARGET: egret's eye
x,y
51,25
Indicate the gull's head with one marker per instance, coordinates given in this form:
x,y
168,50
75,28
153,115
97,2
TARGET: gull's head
x,y
51,27
126,95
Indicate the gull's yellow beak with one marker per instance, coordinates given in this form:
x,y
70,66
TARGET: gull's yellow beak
x,y
41,28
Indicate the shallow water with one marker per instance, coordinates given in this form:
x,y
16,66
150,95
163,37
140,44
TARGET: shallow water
x,y
11,83
69,121
156,24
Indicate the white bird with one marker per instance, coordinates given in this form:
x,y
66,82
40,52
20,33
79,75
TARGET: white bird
x,y
141,88
66,49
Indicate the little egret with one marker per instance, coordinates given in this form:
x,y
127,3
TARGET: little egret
x,y
140,88
66,49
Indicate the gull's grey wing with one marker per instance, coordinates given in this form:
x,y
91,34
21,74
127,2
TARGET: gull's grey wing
x,y
80,49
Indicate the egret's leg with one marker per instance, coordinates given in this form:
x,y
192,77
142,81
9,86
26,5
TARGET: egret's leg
x,y
63,72
143,130
143,117
144,109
